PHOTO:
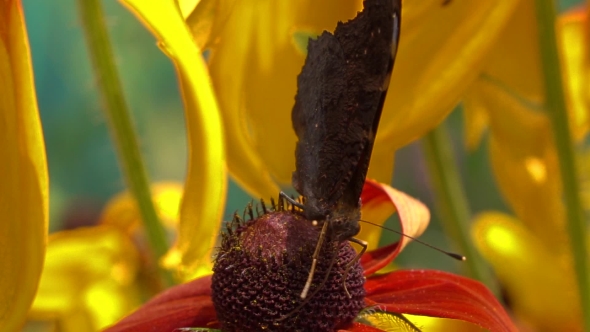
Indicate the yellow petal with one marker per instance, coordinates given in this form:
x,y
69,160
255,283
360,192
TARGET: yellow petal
x,y
208,19
23,173
539,281
205,187
442,50
573,44
122,212
88,279
515,63
524,161
475,121
254,70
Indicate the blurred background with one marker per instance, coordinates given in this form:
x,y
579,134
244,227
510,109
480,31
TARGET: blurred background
x,y
82,164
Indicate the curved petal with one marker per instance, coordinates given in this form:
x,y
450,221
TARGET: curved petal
x,y
84,269
413,215
186,305
23,173
540,283
205,187
438,294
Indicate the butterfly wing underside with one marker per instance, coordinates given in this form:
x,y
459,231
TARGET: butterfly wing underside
x,y
341,91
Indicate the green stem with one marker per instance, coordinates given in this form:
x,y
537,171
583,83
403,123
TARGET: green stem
x,y
451,202
557,110
121,125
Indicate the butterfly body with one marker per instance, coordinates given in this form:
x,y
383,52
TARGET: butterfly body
x,y
341,91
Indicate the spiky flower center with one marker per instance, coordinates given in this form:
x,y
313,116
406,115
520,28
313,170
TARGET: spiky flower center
x,y
261,269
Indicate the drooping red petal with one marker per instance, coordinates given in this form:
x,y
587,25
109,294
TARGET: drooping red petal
x,y
358,327
438,294
413,215
186,305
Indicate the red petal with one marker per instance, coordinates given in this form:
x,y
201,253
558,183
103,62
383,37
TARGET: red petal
x,y
438,294
413,215
358,327
186,305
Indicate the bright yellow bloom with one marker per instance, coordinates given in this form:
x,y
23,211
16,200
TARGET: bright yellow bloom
x,y
23,173
86,269
531,255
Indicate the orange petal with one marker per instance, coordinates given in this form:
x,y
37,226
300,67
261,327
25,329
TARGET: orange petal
x,y
88,279
379,202
205,187
539,281
23,173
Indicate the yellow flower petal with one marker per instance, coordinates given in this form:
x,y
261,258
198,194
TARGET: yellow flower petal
x,y
573,43
23,173
208,19
204,192
539,281
524,161
88,279
121,211
442,50
515,62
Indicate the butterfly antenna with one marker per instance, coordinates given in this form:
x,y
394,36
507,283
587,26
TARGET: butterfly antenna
x,y
448,253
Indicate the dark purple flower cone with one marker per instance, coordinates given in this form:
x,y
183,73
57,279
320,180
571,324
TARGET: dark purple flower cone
x,y
261,269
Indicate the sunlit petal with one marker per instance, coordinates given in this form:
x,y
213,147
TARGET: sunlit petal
x,y
205,187
539,281
379,201
23,173
84,269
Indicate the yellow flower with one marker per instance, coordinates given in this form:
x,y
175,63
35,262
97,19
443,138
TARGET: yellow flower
x,y
23,173
530,254
87,267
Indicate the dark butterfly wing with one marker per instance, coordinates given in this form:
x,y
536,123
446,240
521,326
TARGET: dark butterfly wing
x,y
341,91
